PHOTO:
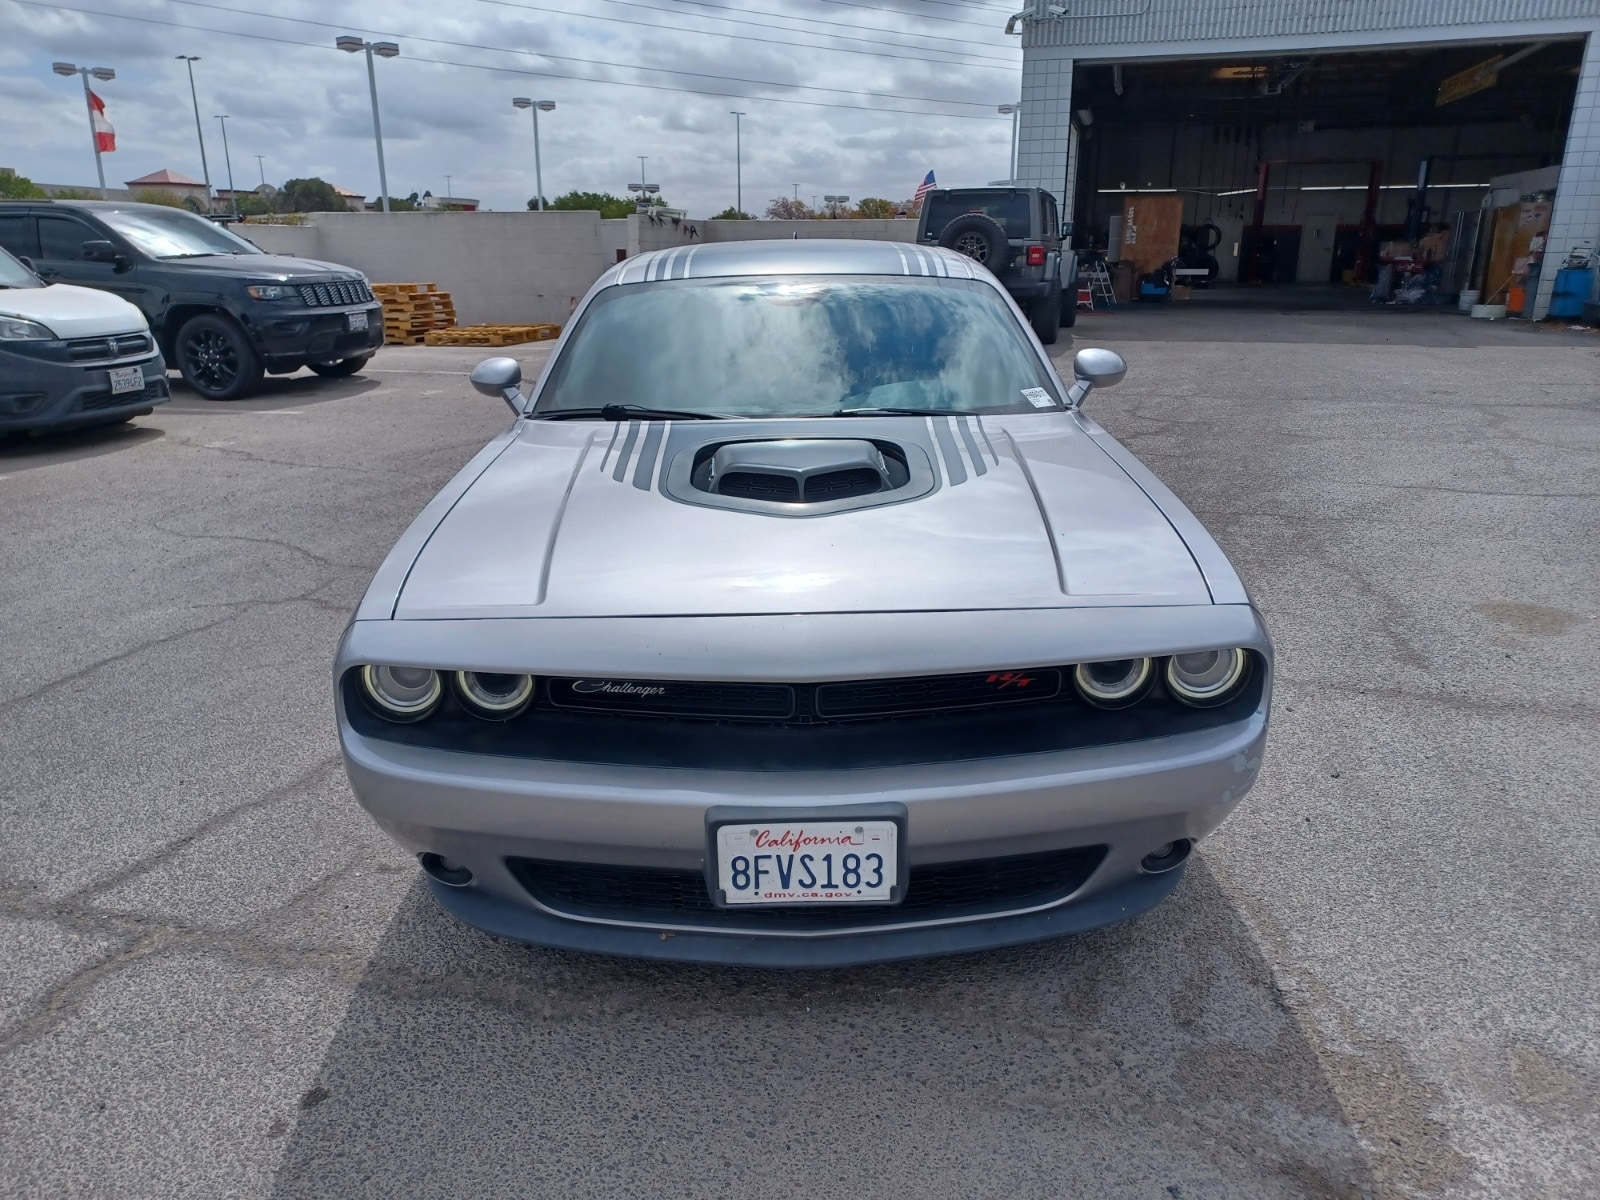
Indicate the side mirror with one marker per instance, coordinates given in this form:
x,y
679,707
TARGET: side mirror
x,y
1095,367
27,262
500,377
101,252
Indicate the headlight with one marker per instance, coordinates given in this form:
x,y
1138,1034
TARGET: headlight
x,y
1114,684
494,697
272,291
15,329
1208,678
402,693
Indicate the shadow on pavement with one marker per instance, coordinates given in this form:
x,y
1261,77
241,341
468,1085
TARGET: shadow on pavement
x,y
277,391
23,452
1153,1059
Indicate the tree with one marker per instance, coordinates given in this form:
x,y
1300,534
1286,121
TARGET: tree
x,y
311,195
732,214
911,208
18,187
162,196
604,203
786,209
259,204
875,208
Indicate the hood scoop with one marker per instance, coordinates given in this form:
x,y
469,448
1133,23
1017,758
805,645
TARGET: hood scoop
x,y
799,470
800,477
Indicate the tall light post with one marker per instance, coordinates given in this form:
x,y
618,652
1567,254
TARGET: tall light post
x,y
102,73
1013,111
642,160
642,193
536,107
260,166
233,194
382,50
833,202
189,60
738,163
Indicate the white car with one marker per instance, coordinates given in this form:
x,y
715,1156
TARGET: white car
x,y
72,356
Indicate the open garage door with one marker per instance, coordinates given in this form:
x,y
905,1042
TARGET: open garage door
x,y
1416,172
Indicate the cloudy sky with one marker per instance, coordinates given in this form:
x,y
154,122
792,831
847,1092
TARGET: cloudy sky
x,y
860,97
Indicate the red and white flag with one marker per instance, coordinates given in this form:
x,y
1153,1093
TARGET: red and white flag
x,y
105,137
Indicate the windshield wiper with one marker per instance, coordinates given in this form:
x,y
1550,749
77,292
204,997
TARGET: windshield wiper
x,y
895,412
626,412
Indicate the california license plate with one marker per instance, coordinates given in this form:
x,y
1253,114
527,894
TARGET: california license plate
x,y
808,862
126,379
358,321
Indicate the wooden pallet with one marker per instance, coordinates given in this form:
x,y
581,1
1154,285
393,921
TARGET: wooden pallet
x,y
492,335
402,339
382,290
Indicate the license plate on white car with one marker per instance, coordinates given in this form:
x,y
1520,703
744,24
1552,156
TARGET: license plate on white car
x,y
358,322
125,380
808,862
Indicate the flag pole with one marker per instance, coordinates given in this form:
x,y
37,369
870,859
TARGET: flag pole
x,y
94,137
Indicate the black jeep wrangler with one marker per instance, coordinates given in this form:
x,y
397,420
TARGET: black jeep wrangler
x,y
222,311
1017,234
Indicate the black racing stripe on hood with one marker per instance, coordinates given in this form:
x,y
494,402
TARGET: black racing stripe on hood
x,y
646,470
627,451
964,424
954,467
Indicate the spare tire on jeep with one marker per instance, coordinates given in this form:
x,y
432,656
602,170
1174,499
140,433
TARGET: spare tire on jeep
x,y
979,237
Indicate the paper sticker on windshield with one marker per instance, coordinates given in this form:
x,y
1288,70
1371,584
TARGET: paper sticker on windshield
x,y
1038,397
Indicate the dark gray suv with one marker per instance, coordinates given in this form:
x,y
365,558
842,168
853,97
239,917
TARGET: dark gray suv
x,y
1016,232
222,312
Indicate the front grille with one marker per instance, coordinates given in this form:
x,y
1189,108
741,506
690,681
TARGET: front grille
x,y
888,697
94,401
804,726
671,697
110,349
841,485
652,895
336,295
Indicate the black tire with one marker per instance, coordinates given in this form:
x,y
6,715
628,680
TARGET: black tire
x,y
979,237
1045,316
342,368
1069,310
216,358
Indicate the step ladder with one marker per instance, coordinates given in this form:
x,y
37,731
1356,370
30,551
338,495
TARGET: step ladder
x,y
1094,287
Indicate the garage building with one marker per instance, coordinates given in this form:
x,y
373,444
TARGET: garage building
x,y
1324,141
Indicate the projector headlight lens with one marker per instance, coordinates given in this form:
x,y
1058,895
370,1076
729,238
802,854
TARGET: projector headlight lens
x,y
401,693
1115,684
1208,677
492,696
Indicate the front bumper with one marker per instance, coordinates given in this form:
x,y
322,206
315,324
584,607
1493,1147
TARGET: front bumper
x,y
479,811
40,388
290,336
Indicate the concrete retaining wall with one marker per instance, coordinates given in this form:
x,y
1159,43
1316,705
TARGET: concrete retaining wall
x,y
516,267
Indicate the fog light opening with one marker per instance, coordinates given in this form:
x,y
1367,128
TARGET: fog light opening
x,y
1166,857
449,873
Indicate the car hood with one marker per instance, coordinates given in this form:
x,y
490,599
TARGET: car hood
x,y
72,312
579,519
264,266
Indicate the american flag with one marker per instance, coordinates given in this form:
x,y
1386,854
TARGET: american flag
x,y
927,185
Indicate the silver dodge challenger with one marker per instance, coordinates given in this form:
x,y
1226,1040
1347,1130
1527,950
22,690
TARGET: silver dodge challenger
x,y
802,617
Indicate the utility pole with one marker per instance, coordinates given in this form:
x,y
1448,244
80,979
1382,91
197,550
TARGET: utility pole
x,y
189,60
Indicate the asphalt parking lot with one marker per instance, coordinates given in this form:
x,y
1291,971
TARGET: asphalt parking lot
x,y
1379,979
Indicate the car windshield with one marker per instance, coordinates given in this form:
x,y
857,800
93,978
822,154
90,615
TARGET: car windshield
x,y
173,233
14,275
1010,209
800,346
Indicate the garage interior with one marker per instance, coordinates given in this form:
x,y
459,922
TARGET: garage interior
x,y
1322,170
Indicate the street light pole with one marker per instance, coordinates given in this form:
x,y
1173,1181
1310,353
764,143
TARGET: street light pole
x,y
189,60
536,107
106,73
738,164
1014,110
233,194
262,168
642,160
382,50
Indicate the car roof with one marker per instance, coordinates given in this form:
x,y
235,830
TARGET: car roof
x,y
803,256
102,205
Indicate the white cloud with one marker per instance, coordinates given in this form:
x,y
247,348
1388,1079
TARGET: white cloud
x,y
305,109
